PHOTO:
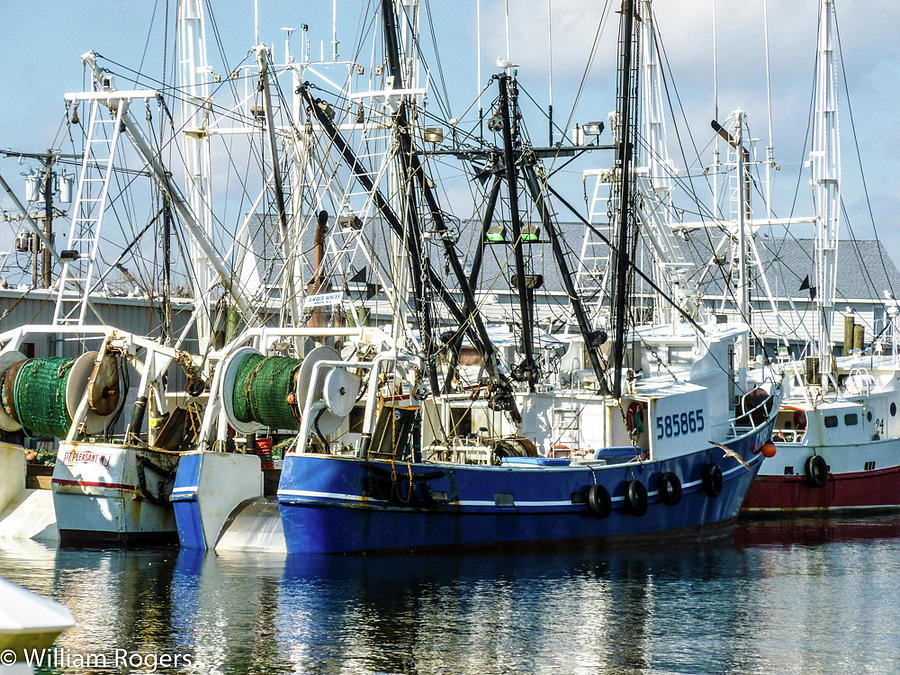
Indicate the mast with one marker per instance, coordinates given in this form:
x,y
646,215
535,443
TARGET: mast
x,y
743,280
417,253
510,136
825,161
289,294
623,164
194,88
168,330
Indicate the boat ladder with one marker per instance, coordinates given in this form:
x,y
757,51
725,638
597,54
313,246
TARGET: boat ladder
x,y
81,252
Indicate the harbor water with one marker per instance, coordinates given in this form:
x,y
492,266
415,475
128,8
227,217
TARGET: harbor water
x,y
805,595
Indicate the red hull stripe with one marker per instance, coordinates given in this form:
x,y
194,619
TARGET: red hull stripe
x,y
879,488
89,483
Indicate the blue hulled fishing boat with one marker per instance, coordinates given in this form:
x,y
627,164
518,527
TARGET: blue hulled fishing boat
x,y
459,424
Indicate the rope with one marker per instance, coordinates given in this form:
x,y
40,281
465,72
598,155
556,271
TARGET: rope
x,y
264,391
40,396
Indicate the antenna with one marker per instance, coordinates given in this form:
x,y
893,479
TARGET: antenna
x,y
770,148
287,43
550,64
334,40
508,56
478,74
715,182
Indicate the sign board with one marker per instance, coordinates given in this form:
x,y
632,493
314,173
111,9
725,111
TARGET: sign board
x,y
324,299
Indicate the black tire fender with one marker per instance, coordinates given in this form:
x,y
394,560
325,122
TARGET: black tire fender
x,y
713,480
669,488
636,498
816,471
599,502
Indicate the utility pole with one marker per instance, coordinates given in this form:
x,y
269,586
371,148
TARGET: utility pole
x,y
48,161
41,259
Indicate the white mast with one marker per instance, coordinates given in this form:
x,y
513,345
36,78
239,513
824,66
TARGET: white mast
x,y
743,208
715,164
652,153
655,170
770,148
193,76
825,160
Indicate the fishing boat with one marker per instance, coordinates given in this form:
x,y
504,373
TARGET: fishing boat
x,y
106,487
112,477
837,435
425,434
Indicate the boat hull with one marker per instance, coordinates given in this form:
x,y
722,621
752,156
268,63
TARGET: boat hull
x,y
874,490
208,488
347,505
108,494
26,504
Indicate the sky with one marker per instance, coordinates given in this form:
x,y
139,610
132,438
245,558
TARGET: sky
x,y
44,39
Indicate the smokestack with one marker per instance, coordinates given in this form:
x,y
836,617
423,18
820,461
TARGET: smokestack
x,y
320,316
319,243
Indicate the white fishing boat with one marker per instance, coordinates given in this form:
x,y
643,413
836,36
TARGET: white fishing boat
x,y
107,487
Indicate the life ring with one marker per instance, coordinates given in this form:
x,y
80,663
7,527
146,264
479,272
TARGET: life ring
x,y
669,488
816,471
634,417
599,501
636,498
712,480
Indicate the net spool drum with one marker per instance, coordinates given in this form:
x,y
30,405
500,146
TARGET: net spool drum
x,y
232,366
62,385
334,395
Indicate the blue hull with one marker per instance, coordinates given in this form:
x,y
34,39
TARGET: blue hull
x,y
345,505
184,501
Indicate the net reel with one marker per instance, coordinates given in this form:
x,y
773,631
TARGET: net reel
x,y
271,391
41,396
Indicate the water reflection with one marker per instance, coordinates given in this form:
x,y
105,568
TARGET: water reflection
x,y
224,609
785,595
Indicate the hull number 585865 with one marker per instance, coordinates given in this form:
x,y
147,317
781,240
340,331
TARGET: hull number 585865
x,y
679,424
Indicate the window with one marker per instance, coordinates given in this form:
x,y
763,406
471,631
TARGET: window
x,y
850,419
681,355
869,416
831,421
877,320
893,409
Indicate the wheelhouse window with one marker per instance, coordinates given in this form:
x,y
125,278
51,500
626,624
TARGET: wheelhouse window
x,y
681,355
850,419
831,421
